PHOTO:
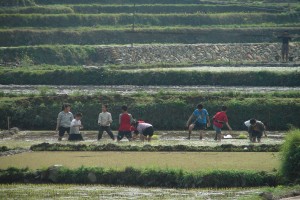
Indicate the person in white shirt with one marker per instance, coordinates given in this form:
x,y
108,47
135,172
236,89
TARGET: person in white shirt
x,y
249,125
75,126
63,121
104,121
145,130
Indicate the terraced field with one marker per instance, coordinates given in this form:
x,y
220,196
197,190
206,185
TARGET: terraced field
x,y
162,58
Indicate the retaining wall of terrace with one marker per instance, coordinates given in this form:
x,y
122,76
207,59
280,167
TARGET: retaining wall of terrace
x,y
197,53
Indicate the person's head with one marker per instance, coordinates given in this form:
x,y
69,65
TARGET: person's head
x,y
199,107
104,107
124,108
66,107
224,108
252,122
135,123
78,116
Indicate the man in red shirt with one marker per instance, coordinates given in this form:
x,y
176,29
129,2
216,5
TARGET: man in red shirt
x,y
125,121
218,120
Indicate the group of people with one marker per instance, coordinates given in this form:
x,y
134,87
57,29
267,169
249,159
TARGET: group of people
x,y
200,120
128,126
132,129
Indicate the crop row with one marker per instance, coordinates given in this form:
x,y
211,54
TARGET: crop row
x,y
149,148
186,35
151,8
40,112
50,2
75,20
141,177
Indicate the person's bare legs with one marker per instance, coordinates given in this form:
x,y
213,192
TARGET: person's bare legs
x,y
191,127
219,137
201,134
142,137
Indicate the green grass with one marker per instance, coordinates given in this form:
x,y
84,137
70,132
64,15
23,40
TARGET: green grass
x,y
149,8
76,192
189,161
74,20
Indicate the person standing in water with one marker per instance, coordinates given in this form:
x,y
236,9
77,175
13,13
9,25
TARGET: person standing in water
x,y
199,120
64,120
104,121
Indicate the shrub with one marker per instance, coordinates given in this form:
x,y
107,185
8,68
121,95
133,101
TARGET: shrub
x,y
291,156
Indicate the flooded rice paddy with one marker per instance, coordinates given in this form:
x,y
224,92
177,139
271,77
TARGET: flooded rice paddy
x,y
63,192
132,89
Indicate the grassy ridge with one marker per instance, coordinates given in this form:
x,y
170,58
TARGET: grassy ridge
x,y
145,177
107,35
36,113
152,8
73,20
143,77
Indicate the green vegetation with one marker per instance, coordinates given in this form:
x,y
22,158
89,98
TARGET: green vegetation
x,y
151,148
143,35
74,20
291,156
147,177
147,8
40,112
104,76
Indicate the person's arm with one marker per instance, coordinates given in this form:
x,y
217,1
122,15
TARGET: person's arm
x,y
264,129
58,121
99,119
208,120
110,118
228,126
131,118
189,120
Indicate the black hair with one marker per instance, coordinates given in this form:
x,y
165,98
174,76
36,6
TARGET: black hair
x,y
105,105
135,123
79,114
124,108
65,105
252,121
199,106
224,108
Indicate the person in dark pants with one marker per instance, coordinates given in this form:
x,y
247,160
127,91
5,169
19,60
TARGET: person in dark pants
x,y
76,125
125,121
104,120
199,120
145,130
64,121
285,37
256,130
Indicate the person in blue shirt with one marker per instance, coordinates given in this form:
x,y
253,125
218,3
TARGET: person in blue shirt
x,y
198,120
